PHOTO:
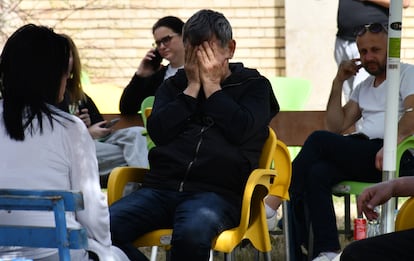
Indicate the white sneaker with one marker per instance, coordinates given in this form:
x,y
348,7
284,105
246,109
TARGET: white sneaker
x,y
272,223
326,256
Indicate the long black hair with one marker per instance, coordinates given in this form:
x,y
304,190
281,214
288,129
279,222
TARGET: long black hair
x,y
32,64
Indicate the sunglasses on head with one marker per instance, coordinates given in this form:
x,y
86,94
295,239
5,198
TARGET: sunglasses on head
x,y
373,28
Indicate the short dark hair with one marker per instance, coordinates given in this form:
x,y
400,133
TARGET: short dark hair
x,y
205,24
32,64
172,22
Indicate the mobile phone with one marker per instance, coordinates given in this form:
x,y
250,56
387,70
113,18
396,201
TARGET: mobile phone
x,y
111,123
81,106
156,61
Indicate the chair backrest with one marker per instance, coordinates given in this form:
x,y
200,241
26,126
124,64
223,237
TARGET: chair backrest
x,y
58,236
283,166
146,103
291,93
405,216
266,157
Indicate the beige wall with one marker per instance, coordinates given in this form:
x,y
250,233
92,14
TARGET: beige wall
x,y
112,36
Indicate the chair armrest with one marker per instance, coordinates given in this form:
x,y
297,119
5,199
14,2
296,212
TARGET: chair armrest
x,y
257,186
120,177
283,167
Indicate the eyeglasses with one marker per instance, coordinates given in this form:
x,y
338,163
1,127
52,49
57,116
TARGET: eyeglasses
x,y
165,40
373,28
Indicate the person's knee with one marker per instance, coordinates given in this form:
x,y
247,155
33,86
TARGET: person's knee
x,y
351,252
317,136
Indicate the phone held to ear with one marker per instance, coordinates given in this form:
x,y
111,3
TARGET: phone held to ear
x,y
111,123
156,61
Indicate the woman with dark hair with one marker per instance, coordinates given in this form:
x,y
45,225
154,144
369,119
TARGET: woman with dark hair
x,y
123,147
43,147
150,73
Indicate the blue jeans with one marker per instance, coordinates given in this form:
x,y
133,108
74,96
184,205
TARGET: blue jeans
x,y
196,217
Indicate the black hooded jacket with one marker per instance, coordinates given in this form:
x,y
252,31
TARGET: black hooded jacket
x,y
209,144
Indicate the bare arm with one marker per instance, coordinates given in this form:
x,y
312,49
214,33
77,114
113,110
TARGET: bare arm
x,y
386,3
339,118
382,192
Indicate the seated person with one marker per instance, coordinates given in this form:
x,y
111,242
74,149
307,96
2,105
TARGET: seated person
x,y
120,148
391,246
209,123
329,157
43,147
150,73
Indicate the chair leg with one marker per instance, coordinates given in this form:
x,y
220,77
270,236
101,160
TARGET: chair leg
x,y
167,255
267,256
310,242
229,256
211,255
154,251
257,255
286,231
347,218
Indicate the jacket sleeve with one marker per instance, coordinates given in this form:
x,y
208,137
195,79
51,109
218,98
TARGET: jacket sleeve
x,y
239,118
245,116
170,114
137,90
93,110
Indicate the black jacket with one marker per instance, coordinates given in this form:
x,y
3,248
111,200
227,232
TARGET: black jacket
x,y
209,144
138,89
93,111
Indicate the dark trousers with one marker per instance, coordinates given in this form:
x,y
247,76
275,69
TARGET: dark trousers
x,y
197,217
396,246
326,159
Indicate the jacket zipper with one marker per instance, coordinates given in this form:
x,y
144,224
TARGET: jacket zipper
x,y
181,188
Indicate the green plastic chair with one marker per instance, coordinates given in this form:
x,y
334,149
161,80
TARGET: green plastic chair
x,y
292,94
146,104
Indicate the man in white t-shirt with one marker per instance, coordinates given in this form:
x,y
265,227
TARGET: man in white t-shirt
x,y
329,157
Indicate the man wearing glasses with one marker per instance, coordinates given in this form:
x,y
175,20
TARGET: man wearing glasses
x,y
352,13
329,157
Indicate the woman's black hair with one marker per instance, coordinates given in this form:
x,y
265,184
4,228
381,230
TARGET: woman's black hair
x,y
172,22
32,64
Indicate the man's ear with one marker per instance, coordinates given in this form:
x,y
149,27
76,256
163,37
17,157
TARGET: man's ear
x,y
231,48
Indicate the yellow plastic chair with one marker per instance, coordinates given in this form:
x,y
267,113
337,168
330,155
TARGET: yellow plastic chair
x,y
405,216
253,225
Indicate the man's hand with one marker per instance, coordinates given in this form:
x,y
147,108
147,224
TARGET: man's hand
x,y
347,69
212,65
379,159
192,71
372,197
